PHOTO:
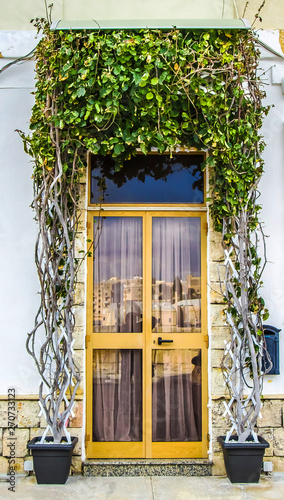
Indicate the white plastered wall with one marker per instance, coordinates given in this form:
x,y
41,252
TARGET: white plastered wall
x,y
272,198
18,280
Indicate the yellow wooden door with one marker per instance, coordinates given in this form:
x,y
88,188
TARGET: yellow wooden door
x,y
146,353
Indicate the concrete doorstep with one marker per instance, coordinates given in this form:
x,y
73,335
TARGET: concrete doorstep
x,y
145,488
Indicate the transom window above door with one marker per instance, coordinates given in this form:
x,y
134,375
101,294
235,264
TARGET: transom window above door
x,y
148,179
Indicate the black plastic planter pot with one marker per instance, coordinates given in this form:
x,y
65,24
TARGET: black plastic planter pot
x,y
243,461
52,461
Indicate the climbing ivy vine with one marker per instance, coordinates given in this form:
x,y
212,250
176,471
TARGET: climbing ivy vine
x,y
112,93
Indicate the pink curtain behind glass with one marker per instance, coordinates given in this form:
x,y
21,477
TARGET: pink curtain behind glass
x,y
176,388
117,274
176,263
176,394
117,395
117,377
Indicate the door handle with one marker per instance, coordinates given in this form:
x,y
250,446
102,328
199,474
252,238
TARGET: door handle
x,y
161,341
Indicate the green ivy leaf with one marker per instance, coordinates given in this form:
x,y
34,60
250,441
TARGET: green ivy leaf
x,y
155,81
143,148
81,92
119,148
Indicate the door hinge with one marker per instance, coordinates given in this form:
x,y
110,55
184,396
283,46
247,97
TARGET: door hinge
x,y
208,438
206,227
88,225
206,340
87,438
87,339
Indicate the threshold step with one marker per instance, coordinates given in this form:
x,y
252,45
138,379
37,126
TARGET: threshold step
x,y
147,467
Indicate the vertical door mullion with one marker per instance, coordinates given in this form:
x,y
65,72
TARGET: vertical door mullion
x,y
148,334
89,364
144,343
204,330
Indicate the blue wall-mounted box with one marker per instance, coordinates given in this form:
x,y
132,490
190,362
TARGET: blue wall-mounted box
x,y
271,334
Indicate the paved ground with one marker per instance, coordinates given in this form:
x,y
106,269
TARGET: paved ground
x,y
146,488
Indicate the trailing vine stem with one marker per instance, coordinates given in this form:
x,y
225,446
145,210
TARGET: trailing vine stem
x,y
56,196
242,364
112,93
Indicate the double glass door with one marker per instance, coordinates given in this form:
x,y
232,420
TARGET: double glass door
x,y
146,342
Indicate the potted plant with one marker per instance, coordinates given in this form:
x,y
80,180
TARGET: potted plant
x,y
56,182
242,364
50,343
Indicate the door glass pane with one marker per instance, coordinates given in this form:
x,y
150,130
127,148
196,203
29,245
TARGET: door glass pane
x,y
176,271
148,179
176,392
117,395
118,283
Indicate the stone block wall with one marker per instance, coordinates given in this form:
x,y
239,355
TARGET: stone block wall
x,y
28,425
219,332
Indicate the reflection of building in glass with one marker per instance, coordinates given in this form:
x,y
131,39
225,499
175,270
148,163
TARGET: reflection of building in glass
x,y
133,289
176,304
164,314
102,299
117,304
118,307
169,362
192,286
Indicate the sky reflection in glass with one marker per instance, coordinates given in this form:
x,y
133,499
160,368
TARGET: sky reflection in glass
x,y
149,179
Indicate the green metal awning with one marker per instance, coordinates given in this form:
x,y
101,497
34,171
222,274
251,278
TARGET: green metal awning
x,y
164,24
